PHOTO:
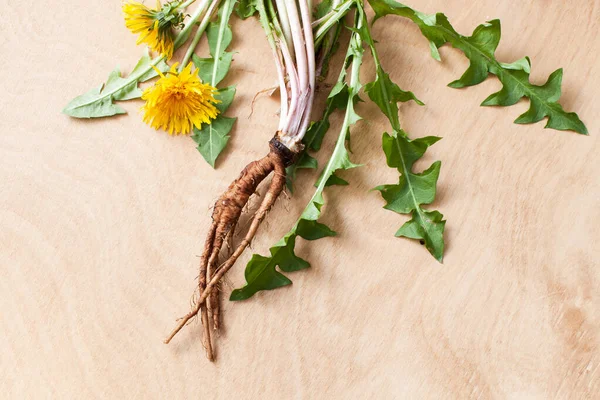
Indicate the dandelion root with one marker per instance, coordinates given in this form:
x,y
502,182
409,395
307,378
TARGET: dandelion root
x,y
226,213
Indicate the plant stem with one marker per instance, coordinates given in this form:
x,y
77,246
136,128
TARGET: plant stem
x,y
328,21
341,141
228,5
279,62
294,86
201,28
184,34
310,52
334,5
302,65
285,24
298,38
187,4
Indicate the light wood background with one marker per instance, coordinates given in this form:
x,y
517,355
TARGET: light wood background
x,y
101,224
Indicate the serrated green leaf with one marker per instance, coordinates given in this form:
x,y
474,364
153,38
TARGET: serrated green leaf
x,y
99,102
340,90
316,132
480,49
323,8
93,104
313,230
264,276
383,91
423,21
402,153
427,226
305,161
213,138
336,180
435,53
219,37
208,66
413,189
326,49
312,211
376,94
245,8
523,64
261,272
225,96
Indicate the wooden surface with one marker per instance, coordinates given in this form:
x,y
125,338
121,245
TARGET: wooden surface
x,y
102,223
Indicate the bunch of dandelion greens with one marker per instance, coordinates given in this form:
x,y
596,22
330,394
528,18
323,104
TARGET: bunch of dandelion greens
x,y
186,100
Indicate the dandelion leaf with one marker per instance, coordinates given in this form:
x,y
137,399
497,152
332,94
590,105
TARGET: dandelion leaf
x,y
480,49
213,138
413,189
100,102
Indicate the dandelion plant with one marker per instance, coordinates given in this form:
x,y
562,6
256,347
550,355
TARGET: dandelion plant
x,y
186,99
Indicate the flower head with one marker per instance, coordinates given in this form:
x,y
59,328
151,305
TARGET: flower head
x,y
155,26
179,101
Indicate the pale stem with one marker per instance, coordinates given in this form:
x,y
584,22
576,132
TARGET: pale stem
x,y
356,59
184,34
278,52
334,5
222,25
285,23
305,94
201,28
332,20
293,81
299,46
297,75
310,51
283,93
301,65
187,4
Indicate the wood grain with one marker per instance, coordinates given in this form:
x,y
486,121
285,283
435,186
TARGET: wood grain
x,y
102,223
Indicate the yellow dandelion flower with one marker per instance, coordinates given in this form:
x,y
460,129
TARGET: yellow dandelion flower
x,y
155,26
179,101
